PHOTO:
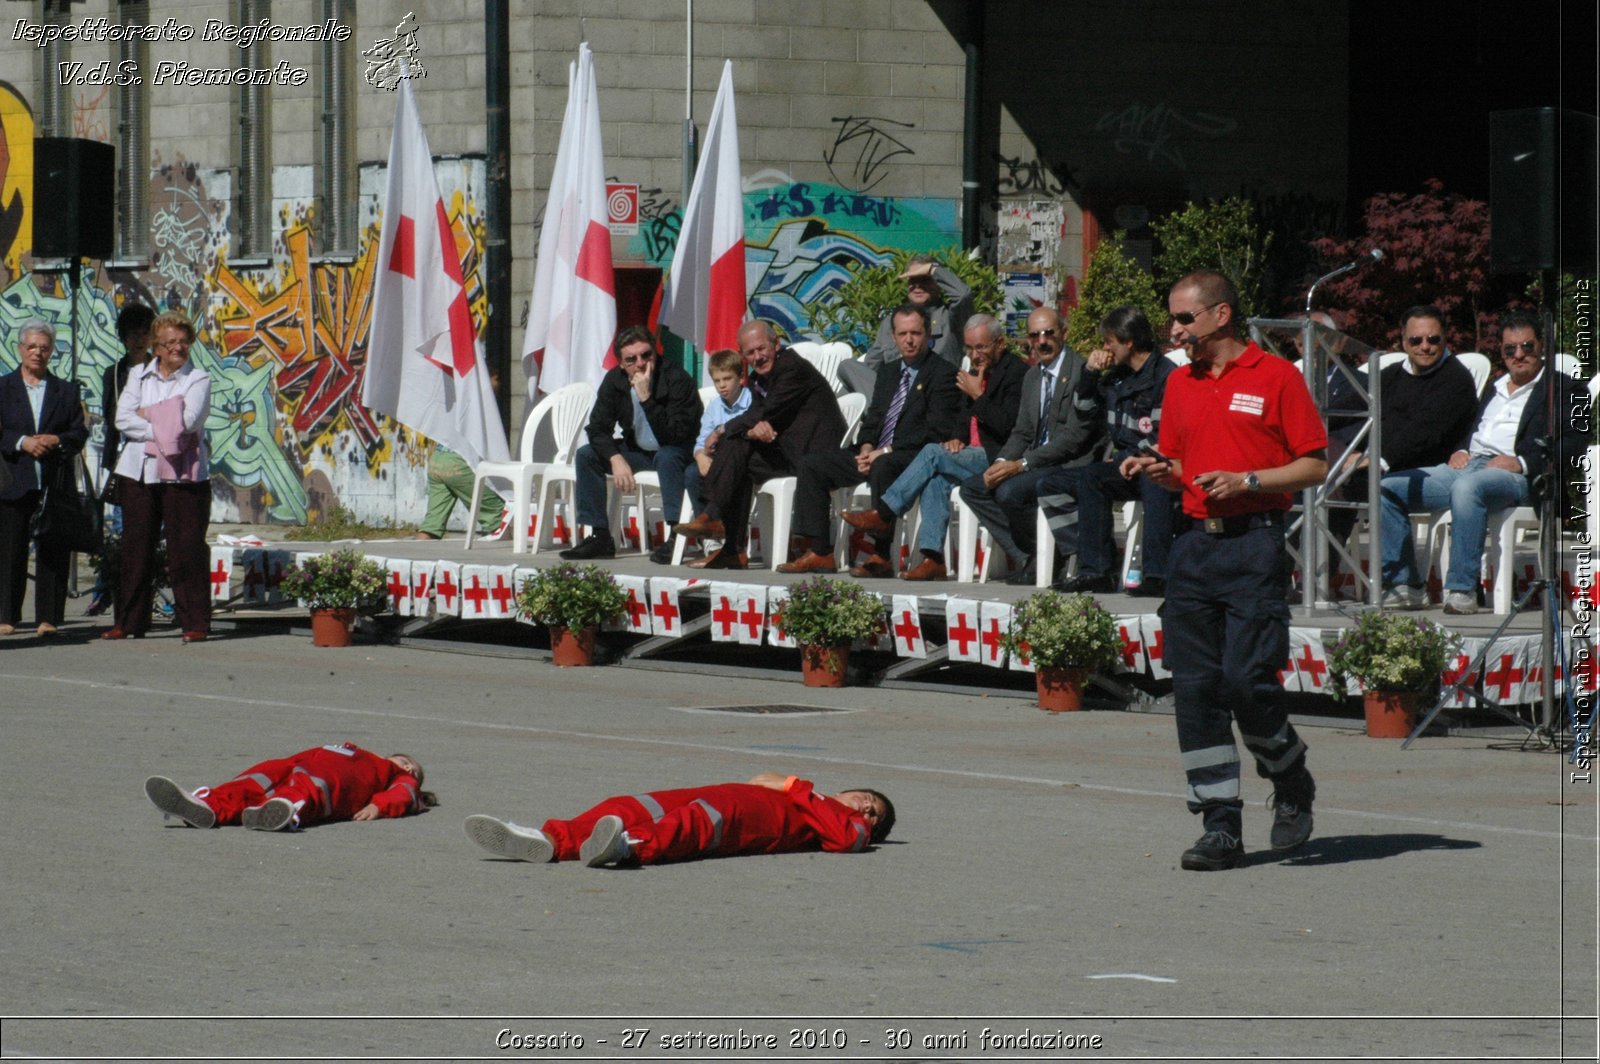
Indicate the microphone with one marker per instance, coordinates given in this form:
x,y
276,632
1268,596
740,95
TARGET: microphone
x,y
1372,256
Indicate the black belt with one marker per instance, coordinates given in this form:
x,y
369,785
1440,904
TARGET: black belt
x,y
1238,524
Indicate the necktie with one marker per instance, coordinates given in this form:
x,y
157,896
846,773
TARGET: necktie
x,y
975,438
897,404
1044,409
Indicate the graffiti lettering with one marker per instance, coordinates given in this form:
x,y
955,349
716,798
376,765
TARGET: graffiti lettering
x,y
1031,175
1151,130
878,208
87,119
873,147
660,221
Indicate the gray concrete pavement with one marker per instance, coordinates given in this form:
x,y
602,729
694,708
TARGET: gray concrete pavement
x,y
1445,906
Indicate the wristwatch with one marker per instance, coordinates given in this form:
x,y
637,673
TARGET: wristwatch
x,y
1252,482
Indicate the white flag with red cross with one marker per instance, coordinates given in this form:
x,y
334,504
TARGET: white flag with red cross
x,y
397,585
666,616
502,584
276,565
724,612
752,625
474,592
994,618
253,566
777,634
221,574
1459,668
1504,669
1533,682
1131,637
1310,659
422,588
961,630
1155,645
905,623
636,613
447,589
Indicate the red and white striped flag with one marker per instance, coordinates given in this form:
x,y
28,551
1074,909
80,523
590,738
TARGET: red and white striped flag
x,y
706,297
573,312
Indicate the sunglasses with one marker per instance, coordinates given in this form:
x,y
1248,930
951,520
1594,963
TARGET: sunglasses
x,y
1526,347
628,360
1187,318
1418,341
1042,334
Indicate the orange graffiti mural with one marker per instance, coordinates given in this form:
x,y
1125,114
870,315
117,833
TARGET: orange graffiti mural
x,y
16,179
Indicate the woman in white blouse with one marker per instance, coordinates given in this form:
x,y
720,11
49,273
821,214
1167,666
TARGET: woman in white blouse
x,y
164,483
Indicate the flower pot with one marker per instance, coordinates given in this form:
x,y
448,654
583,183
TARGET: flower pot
x,y
330,626
824,666
1060,688
569,648
1390,714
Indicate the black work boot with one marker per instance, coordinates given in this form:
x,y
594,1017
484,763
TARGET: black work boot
x,y
1213,852
1291,804
594,545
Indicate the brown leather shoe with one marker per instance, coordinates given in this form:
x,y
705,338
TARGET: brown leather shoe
x,y
926,569
810,562
701,525
194,637
870,521
876,566
722,559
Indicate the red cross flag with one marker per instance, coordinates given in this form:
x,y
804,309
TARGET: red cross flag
x,y
573,311
254,563
425,364
502,583
961,630
1155,645
665,616
636,614
1132,636
447,589
993,620
777,634
422,589
1310,660
474,592
752,614
906,623
221,574
1459,670
724,612
397,580
276,564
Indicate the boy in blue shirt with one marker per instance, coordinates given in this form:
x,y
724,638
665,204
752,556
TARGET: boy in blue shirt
x,y
726,368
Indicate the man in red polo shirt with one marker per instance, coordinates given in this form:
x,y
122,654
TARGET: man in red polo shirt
x,y
1239,434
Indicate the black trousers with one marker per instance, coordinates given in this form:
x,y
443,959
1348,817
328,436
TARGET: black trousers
x,y
735,470
823,473
50,574
184,511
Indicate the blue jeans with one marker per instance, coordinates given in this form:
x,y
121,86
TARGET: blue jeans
x,y
1469,493
594,473
932,475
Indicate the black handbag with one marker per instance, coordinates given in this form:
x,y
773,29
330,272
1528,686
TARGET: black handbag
x,y
64,518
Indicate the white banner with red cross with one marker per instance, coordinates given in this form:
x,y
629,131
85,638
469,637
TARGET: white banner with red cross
x,y
447,589
1456,669
1310,660
993,620
253,564
1533,682
665,616
397,585
523,574
961,629
636,612
422,588
1504,670
1155,645
221,574
777,635
1130,631
752,624
560,528
474,592
502,583
905,624
276,564
724,612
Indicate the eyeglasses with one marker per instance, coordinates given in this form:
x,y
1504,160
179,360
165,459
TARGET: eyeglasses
x,y
1418,341
171,345
629,360
1042,334
1526,347
1187,317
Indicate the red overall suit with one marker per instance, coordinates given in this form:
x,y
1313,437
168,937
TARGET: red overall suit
x,y
332,782
720,821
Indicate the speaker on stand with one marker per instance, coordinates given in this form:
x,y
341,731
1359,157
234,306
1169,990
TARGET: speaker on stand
x,y
74,208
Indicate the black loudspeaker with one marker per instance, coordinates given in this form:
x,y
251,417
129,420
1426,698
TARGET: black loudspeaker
x,y
1542,212
74,198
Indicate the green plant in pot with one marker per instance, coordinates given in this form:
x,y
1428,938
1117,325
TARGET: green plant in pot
x,y
336,586
1395,659
826,616
573,601
1066,637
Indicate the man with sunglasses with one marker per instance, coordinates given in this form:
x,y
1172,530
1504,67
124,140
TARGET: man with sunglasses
x,y
1501,461
1239,434
657,406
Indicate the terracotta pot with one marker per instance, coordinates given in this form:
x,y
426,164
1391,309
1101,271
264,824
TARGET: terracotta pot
x,y
824,666
330,627
1390,714
1060,688
569,649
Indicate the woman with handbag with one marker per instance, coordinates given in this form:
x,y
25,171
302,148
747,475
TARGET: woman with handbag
x,y
41,430
163,483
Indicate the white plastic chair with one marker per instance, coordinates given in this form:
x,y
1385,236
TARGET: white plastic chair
x,y
1478,365
1500,544
778,493
567,410
1568,364
826,357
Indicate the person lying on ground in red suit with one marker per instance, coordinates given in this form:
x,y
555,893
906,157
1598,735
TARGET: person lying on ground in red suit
x,y
339,781
770,814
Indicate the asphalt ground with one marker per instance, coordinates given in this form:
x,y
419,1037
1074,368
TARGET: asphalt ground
x,y
1445,907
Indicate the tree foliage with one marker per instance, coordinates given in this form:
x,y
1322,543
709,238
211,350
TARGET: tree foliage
x,y
858,308
1114,279
1436,250
1218,235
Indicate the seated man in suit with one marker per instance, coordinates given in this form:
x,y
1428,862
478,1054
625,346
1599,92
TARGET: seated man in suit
x,y
914,404
1505,461
1056,426
935,288
990,393
793,413
657,406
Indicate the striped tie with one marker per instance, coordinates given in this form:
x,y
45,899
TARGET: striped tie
x,y
886,437
1044,410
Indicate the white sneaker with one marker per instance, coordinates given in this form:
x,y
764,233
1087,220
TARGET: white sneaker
x,y
275,814
1460,602
1403,597
607,844
510,840
173,800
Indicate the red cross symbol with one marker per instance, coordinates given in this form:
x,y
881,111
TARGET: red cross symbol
x,y
991,640
1503,678
446,587
419,584
777,623
632,535
398,588
476,594
962,632
1130,647
666,611
752,618
725,615
1309,662
1453,676
907,631
637,613
559,531
533,527
219,576
501,592
1157,647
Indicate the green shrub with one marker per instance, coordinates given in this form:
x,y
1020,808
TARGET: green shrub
x,y
1113,279
1056,630
1388,652
857,310
832,613
343,579
1220,235
571,596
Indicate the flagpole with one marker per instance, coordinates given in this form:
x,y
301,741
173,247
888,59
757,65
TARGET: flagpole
x,y
688,103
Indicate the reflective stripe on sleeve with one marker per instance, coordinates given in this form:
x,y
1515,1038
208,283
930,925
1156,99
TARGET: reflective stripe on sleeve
x,y
651,806
716,822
